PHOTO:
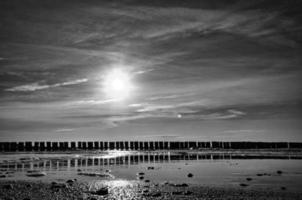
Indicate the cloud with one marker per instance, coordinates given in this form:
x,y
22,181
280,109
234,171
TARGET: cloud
x,y
64,130
36,86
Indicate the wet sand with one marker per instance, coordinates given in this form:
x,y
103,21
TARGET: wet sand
x,y
151,175
122,189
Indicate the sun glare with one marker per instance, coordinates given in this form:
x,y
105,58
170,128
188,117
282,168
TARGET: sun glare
x,y
117,84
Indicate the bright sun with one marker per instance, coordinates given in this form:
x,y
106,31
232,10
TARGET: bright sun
x,y
117,84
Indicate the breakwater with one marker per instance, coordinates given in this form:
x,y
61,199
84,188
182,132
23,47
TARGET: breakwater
x,y
141,145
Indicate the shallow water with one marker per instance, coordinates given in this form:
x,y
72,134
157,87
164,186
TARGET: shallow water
x,y
208,168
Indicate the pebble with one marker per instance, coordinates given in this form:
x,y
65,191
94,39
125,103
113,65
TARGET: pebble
x,y
176,193
188,193
8,187
156,194
36,173
102,191
150,168
249,179
70,182
279,172
190,175
243,185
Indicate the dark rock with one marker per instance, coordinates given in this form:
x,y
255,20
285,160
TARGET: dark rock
x,y
150,168
26,199
180,185
188,193
190,175
8,187
176,193
35,173
58,185
145,191
166,183
2,176
156,194
279,172
102,191
260,174
28,185
249,179
243,185
70,182
283,188
147,181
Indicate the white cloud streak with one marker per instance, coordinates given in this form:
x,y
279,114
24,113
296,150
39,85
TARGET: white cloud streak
x,y
36,86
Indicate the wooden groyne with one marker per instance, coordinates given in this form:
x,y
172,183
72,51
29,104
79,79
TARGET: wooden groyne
x,y
141,145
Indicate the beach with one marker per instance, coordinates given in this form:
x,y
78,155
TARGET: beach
x,y
151,175
120,189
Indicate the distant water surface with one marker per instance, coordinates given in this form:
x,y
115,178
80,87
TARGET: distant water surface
x,y
231,169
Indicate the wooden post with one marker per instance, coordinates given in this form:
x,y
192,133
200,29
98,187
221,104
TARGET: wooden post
x,y
21,146
55,146
42,146
80,145
126,145
13,146
28,146
90,145
146,145
73,145
105,146
84,145
111,145
48,146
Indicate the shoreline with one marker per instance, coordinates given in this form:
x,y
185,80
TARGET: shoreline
x,y
131,189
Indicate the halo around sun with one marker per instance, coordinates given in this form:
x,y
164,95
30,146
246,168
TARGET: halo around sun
x,y
117,84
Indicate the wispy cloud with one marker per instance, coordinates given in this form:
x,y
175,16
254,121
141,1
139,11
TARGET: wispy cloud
x,y
64,130
36,86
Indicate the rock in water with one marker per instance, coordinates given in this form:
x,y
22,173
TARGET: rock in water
x,y
102,191
190,175
8,187
36,174
243,185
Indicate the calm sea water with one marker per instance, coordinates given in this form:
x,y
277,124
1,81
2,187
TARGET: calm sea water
x,y
218,169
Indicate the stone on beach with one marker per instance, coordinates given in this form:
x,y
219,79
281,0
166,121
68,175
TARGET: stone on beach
x,y
8,187
102,192
150,168
279,172
34,173
243,185
104,175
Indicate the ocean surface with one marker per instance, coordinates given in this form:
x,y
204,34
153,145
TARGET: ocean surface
x,y
254,169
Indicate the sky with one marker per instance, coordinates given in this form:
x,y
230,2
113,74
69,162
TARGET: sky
x,y
227,70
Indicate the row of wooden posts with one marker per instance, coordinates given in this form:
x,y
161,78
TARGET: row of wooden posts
x,y
141,145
